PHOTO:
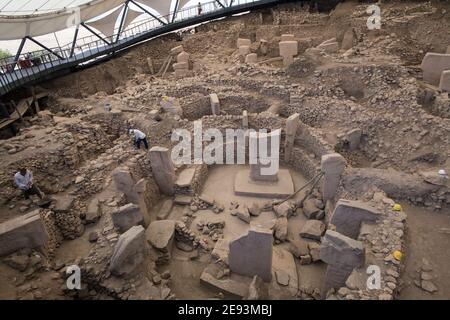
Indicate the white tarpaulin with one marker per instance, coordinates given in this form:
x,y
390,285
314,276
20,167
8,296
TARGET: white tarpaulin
x,y
16,27
107,23
162,6
131,15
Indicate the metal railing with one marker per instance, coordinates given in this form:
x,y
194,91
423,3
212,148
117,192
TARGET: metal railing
x,y
33,65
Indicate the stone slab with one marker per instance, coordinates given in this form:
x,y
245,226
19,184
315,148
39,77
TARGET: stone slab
x,y
27,231
182,199
165,209
349,214
244,186
243,42
221,250
251,254
288,48
160,235
126,217
185,178
234,285
283,263
129,251
433,64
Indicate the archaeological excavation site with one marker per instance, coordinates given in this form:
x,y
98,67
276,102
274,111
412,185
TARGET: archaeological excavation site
x,y
225,150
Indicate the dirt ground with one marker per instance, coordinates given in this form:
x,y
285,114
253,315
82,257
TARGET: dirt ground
x,y
427,238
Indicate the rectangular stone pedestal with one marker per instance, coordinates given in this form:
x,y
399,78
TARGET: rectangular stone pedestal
x,y
245,186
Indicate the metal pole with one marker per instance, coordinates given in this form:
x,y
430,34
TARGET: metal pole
x,y
95,33
19,51
220,3
148,12
49,50
125,10
74,42
175,10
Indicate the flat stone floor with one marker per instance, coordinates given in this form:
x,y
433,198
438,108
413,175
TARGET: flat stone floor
x,y
219,185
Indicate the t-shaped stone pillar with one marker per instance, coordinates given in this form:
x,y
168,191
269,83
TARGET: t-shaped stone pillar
x,y
342,254
258,170
162,168
291,129
333,164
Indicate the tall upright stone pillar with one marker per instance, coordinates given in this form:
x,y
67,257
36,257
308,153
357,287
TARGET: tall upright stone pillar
x,y
215,104
333,164
291,130
163,169
342,254
256,140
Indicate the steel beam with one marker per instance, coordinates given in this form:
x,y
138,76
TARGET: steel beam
x,y
148,12
94,33
175,10
74,42
44,47
124,14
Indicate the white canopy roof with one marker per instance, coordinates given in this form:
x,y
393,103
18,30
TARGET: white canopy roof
x,y
20,18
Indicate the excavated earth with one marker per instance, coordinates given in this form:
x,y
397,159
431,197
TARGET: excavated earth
x,y
74,146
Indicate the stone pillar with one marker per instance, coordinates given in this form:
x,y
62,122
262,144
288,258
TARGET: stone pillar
x,y
444,84
287,37
163,169
245,119
353,138
215,104
433,64
251,254
125,183
264,48
141,190
291,130
256,168
333,164
130,251
243,42
342,254
348,215
251,58
288,49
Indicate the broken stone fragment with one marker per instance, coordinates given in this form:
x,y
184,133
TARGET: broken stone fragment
x,y
243,214
283,210
257,290
281,229
310,209
93,212
282,277
312,229
254,209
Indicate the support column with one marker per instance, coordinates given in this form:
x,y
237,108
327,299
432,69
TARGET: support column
x,y
291,130
333,165
163,169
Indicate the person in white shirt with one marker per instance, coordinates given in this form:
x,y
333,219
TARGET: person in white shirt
x,y
138,137
24,181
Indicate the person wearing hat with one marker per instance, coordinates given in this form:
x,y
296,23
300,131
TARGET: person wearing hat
x,y
138,137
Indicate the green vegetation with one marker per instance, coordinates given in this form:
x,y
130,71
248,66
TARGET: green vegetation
x,y
4,53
